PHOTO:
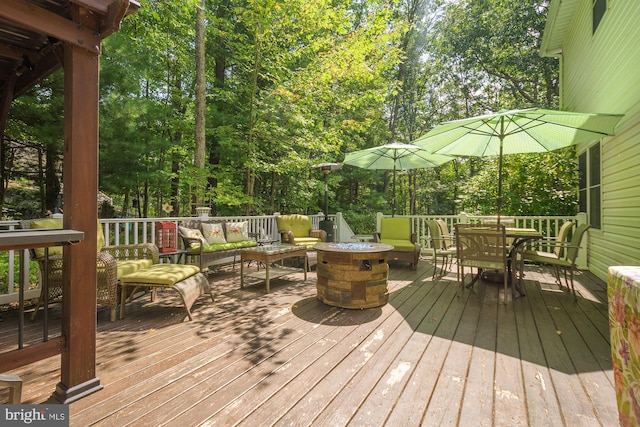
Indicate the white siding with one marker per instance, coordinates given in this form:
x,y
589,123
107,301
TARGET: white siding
x,y
601,73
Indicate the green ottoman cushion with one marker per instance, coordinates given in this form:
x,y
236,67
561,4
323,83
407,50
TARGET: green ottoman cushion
x,y
161,274
127,266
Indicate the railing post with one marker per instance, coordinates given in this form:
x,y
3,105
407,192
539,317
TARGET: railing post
x,y
338,226
463,218
379,216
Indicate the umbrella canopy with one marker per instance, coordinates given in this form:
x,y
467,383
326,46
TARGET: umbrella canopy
x,y
533,130
395,157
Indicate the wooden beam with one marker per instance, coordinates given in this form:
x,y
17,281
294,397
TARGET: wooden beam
x,y
11,52
101,6
45,66
111,22
17,358
6,97
80,167
42,21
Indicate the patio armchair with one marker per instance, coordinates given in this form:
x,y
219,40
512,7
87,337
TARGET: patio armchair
x,y
397,233
112,262
565,261
442,246
296,229
484,247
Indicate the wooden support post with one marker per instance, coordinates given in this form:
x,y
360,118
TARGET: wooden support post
x,y
78,367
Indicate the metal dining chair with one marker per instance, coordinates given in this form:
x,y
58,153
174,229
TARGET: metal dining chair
x,y
442,247
484,247
566,261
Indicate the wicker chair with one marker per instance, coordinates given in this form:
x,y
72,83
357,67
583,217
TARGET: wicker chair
x,y
107,258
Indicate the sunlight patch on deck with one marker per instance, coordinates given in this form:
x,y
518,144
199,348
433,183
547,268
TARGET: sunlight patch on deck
x,y
397,373
540,379
505,394
377,336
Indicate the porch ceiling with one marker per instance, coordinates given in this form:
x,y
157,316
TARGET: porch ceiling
x,y
32,33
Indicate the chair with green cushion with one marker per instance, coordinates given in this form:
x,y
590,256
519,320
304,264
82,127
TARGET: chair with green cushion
x,y
296,229
397,232
566,261
111,262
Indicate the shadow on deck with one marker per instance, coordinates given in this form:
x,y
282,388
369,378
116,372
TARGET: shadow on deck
x,y
284,358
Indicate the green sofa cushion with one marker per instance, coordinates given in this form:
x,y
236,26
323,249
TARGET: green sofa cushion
x,y
128,266
47,224
161,274
56,224
217,247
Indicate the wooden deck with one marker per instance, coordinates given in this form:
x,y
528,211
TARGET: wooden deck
x,y
284,358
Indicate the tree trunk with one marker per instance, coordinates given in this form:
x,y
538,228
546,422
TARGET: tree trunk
x,y
200,87
251,173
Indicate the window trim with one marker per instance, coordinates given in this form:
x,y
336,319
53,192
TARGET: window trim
x,y
585,198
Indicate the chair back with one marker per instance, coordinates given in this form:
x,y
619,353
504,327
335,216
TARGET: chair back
x,y
561,238
54,224
395,228
481,245
437,242
447,238
576,240
300,225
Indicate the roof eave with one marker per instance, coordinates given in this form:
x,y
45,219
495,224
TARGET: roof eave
x,y
559,20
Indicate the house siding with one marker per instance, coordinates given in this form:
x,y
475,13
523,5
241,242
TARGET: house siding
x,y
601,74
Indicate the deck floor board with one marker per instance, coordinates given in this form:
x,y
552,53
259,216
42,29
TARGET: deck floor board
x,y
284,358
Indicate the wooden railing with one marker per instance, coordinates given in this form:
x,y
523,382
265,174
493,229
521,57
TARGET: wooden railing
x,y
119,231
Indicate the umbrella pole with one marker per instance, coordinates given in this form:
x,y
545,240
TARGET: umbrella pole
x,y
393,204
499,199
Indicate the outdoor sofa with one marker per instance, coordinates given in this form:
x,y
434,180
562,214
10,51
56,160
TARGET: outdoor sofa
x,y
209,241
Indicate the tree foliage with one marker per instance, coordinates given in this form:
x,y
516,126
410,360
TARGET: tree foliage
x,y
291,83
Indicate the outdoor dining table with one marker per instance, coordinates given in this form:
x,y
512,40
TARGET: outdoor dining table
x,y
519,237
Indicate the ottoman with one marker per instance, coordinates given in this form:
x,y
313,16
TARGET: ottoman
x,y
184,279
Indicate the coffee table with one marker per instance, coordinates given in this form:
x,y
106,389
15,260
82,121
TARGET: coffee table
x,y
268,255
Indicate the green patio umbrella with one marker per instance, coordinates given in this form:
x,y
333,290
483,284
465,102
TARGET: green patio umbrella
x,y
533,130
395,157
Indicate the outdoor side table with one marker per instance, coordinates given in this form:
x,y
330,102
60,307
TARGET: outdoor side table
x,y
353,275
623,294
172,257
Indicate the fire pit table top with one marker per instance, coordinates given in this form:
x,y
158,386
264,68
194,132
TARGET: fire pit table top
x,y
353,247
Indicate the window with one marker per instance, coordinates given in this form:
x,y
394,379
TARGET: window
x,y
599,8
589,191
